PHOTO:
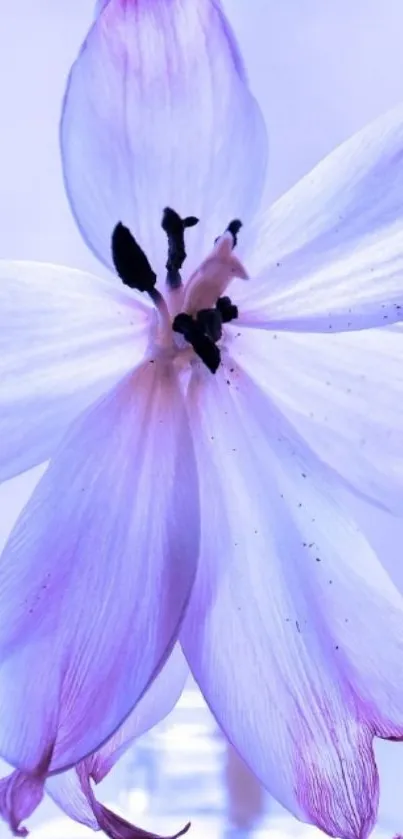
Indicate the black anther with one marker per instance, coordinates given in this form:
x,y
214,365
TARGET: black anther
x,y
130,261
174,226
227,309
203,346
190,221
211,322
234,228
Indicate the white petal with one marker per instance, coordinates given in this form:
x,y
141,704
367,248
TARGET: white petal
x,y
294,632
330,253
97,573
65,338
344,394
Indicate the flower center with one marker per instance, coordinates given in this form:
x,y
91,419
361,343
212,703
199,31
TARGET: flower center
x,y
204,307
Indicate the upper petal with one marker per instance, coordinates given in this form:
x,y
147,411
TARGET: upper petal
x,y
294,631
97,573
157,112
344,395
329,254
65,338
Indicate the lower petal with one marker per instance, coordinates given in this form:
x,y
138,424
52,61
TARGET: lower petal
x,y
20,795
294,631
344,395
69,789
97,573
114,825
76,797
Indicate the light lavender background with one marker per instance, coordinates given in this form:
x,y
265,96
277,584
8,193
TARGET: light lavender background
x,y
320,68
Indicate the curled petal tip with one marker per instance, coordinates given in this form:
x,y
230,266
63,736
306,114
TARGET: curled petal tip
x,y
187,828
20,795
118,828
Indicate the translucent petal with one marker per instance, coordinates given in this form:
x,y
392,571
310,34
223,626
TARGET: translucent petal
x,y
67,792
156,704
344,394
66,337
294,632
329,256
70,790
157,112
97,573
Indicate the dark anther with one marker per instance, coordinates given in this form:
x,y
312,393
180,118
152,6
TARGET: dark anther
x,y
194,334
131,262
183,324
233,228
174,226
211,322
227,309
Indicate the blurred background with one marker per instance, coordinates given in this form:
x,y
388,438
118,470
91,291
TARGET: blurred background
x,y
321,69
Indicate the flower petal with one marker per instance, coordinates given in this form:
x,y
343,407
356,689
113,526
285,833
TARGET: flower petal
x,y
68,793
294,631
114,825
97,573
71,790
330,256
157,112
65,338
344,394
20,795
155,705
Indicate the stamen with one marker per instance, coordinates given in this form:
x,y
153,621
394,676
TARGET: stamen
x,y
174,226
211,322
131,262
194,334
227,309
200,327
234,228
135,271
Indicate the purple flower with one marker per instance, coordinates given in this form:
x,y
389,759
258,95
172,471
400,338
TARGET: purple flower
x,y
201,430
